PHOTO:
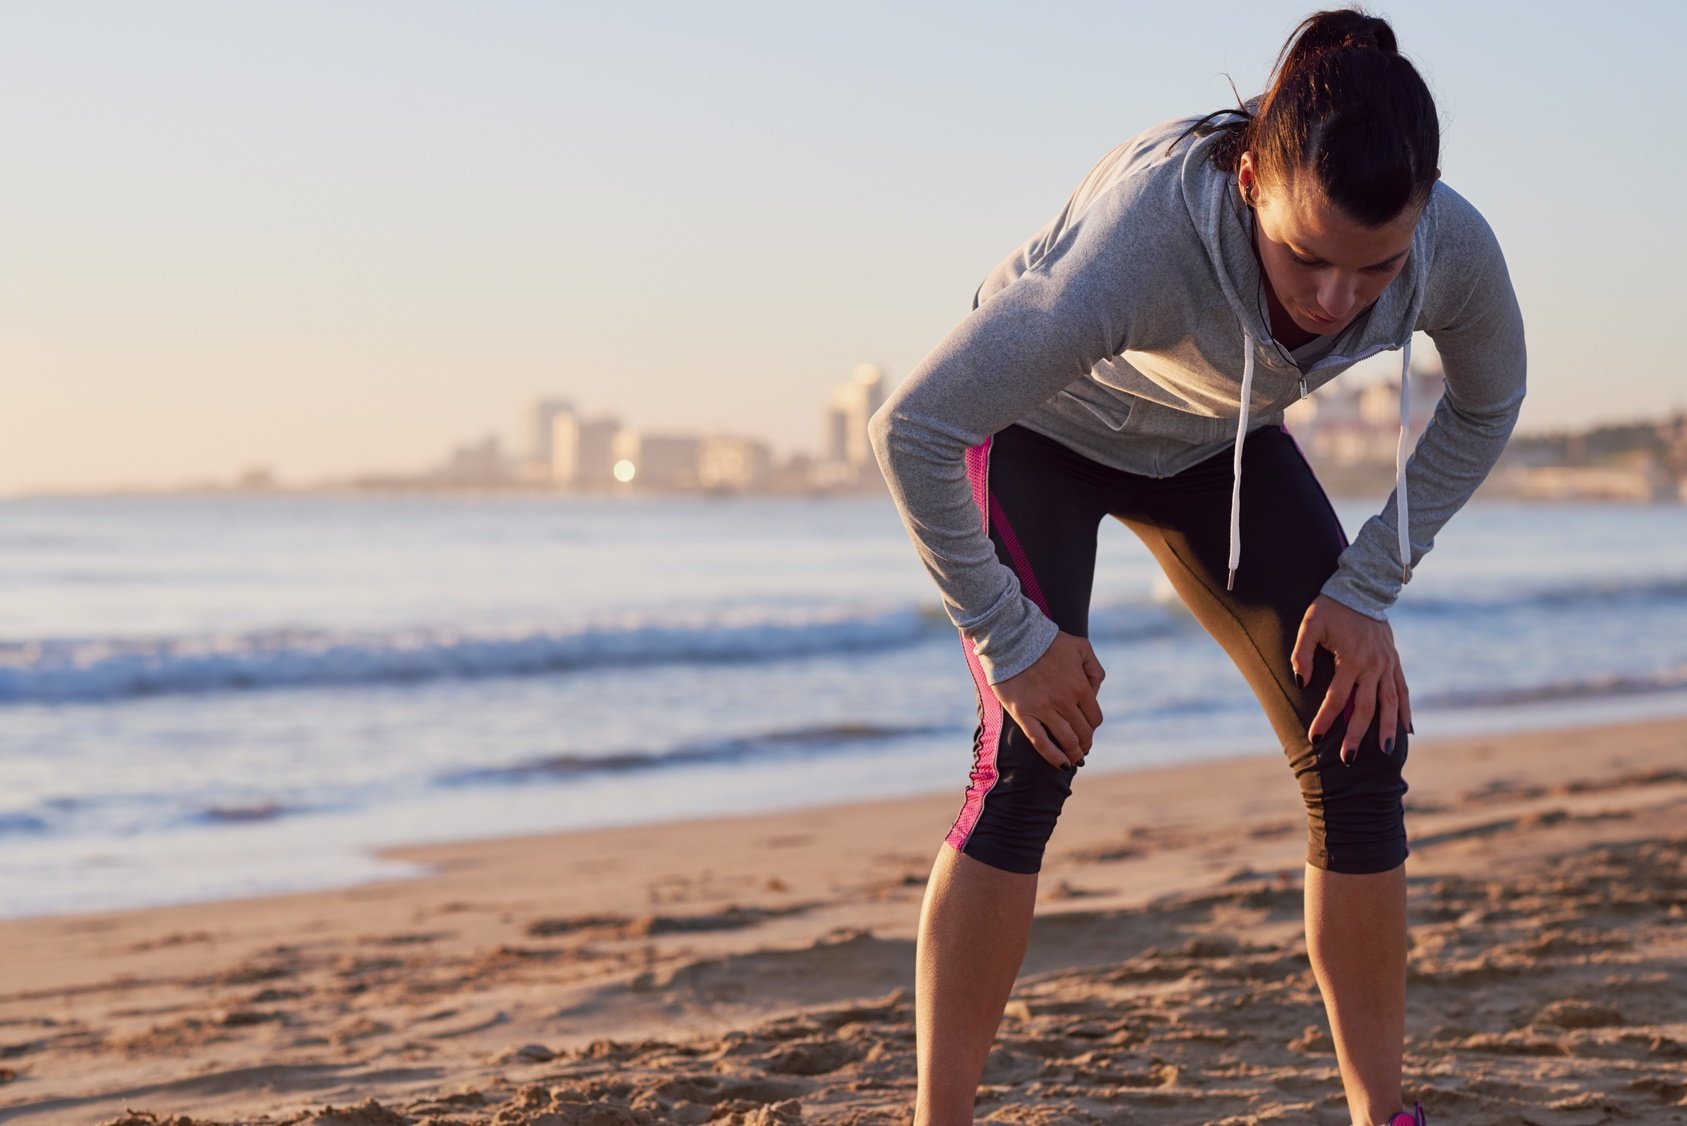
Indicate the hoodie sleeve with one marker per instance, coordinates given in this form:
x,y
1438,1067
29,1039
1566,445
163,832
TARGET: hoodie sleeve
x,y
1021,346
1471,313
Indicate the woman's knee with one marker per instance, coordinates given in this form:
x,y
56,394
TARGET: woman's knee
x,y
1006,822
1355,812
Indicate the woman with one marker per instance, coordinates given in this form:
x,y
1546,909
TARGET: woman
x,y
1134,360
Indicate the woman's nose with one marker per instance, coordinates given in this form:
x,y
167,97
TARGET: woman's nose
x,y
1337,298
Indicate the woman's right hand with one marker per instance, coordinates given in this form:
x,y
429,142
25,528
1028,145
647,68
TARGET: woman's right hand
x,y
1053,700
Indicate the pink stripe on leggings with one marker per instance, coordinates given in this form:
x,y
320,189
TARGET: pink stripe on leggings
x,y
1021,565
984,773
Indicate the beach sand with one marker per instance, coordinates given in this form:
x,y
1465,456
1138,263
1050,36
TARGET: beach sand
x,y
759,969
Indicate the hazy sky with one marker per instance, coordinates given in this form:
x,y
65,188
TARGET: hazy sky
x,y
327,237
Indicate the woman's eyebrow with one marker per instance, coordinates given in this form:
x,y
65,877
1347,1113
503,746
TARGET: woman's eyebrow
x,y
1317,261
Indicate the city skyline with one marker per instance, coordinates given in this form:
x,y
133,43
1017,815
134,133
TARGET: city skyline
x,y
555,445
837,458
327,238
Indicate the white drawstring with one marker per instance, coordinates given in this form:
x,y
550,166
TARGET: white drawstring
x,y
1401,517
1236,472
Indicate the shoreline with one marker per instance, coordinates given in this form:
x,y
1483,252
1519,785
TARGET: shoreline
x,y
387,861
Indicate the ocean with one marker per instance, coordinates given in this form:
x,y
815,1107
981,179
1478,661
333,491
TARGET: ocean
x,y
204,697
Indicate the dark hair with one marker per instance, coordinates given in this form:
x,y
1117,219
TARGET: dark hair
x,y
1344,104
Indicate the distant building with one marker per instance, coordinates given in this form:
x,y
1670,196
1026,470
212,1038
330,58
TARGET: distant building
x,y
1343,427
478,465
583,452
1641,481
793,475
257,479
689,462
1673,435
732,464
539,429
657,461
847,460
1641,461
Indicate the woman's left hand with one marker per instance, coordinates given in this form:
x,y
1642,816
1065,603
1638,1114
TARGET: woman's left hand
x,y
1367,670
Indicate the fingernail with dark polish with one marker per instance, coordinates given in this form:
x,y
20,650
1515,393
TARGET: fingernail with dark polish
x,y
1066,766
1300,681
1345,761
1388,746
1410,730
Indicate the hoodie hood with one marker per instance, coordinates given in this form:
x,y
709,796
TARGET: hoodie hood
x,y
1221,223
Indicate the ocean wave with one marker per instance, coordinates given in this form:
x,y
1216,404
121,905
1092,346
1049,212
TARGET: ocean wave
x,y
1641,593
1585,688
1138,621
244,814
808,740
103,669
19,822
128,814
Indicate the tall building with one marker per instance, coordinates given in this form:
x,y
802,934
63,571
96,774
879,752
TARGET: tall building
x,y
538,430
848,459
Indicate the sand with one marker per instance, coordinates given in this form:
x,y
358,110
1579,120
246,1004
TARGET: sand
x,y
759,969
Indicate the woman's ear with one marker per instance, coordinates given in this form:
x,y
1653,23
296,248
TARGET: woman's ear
x,y
1246,178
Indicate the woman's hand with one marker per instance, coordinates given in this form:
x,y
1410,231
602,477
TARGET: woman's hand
x,y
1367,669
1053,700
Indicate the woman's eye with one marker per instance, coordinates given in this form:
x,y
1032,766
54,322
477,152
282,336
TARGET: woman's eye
x,y
1299,261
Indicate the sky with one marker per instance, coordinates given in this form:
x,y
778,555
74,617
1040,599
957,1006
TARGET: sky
x,y
332,237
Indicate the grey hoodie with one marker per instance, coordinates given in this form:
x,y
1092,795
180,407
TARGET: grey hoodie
x,y
1128,328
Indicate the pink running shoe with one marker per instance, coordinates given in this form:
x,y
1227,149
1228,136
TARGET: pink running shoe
x,y
1413,1117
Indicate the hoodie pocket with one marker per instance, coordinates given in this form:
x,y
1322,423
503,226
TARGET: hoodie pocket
x,y
1117,410
1145,419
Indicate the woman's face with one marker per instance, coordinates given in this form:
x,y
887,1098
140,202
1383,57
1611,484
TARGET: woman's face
x,y
1323,269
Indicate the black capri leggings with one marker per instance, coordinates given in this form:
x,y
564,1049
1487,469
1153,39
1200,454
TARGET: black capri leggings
x,y
1042,504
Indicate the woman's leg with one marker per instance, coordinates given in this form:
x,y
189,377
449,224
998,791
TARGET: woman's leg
x,y
1039,503
1356,938
1355,889
974,925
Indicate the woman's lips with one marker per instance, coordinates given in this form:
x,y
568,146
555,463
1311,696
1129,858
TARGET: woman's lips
x,y
1315,318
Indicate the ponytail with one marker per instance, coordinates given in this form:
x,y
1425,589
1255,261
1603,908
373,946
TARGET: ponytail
x,y
1345,105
